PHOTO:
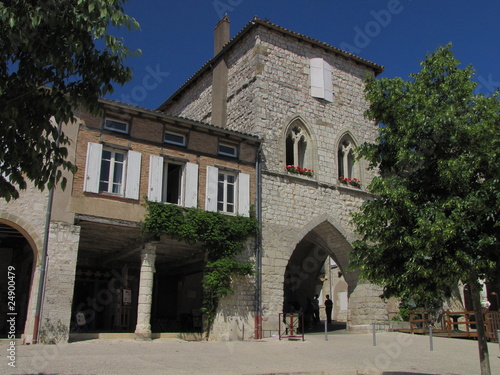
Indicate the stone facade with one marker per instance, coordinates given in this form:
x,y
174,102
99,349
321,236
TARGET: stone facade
x,y
304,217
269,87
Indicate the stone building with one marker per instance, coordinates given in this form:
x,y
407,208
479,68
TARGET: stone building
x,y
102,273
305,99
276,116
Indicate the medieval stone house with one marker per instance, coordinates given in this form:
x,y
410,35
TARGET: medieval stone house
x,y
285,114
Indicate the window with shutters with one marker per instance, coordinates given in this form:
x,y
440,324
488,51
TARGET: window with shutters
x,y
112,171
112,177
227,192
173,182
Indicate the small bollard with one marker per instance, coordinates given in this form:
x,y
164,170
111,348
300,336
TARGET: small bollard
x,y
430,338
326,330
374,336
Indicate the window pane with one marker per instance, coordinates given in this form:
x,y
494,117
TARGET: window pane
x,y
105,170
230,179
230,208
176,139
227,150
119,126
230,194
220,192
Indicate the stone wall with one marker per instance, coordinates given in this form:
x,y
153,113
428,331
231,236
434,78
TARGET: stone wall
x,y
59,286
269,88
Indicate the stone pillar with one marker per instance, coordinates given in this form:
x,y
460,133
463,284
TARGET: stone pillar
x,y
148,256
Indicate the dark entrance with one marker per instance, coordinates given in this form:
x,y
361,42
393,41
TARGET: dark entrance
x,y
15,252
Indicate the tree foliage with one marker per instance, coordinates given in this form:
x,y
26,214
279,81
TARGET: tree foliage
x,y
433,220
222,236
55,56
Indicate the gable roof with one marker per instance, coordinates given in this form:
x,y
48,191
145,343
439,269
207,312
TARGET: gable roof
x,y
256,22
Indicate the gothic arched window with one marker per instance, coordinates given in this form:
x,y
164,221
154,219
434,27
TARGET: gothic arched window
x,y
348,169
298,148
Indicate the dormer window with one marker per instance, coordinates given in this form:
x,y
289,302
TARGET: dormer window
x,y
116,125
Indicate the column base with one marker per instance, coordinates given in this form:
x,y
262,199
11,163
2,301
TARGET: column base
x,y
143,335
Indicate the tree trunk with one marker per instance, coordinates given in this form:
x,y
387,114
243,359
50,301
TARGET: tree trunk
x,y
484,359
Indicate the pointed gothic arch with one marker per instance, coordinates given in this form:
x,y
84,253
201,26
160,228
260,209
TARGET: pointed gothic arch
x,y
299,144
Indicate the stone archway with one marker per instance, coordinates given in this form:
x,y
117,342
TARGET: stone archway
x,y
304,273
18,256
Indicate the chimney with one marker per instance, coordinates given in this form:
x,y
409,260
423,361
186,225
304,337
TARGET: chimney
x,y
220,75
221,34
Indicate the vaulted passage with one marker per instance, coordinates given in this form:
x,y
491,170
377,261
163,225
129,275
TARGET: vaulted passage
x,y
316,267
16,258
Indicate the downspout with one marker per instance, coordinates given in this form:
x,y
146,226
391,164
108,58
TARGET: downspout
x,y
44,257
258,247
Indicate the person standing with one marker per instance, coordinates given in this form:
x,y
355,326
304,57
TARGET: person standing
x,y
328,309
315,304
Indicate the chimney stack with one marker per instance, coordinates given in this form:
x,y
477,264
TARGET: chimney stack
x,y
220,75
221,34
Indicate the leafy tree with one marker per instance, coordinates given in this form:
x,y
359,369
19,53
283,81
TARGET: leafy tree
x,y
433,221
55,56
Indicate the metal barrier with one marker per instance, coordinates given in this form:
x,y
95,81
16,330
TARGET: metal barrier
x,y
291,326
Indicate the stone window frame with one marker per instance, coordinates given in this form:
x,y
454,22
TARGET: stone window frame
x,y
304,138
347,144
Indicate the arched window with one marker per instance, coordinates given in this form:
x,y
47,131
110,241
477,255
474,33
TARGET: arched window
x,y
298,148
348,170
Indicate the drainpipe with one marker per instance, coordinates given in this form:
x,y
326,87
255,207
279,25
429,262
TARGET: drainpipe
x,y
44,257
258,247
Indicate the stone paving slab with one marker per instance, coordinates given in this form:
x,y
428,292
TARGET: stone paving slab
x,y
342,354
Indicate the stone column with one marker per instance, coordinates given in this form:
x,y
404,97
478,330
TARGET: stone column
x,y
148,256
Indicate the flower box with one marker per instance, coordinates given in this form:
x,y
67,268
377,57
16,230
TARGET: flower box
x,y
350,181
299,170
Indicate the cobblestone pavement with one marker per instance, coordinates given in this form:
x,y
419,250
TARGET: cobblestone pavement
x,y
343,353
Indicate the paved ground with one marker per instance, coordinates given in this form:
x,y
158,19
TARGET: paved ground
x,y
343,353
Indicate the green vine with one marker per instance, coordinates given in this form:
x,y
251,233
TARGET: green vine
x,y
223,238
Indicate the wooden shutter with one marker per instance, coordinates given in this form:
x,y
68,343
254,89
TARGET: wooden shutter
x,y
155,178
133,177
191,185
328,83
244,194
93,167
211,193
321,79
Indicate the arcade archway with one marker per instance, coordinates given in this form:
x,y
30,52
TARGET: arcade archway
x,y
319,256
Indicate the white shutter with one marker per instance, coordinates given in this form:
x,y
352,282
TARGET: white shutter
x,y
93,167
191,185
155,178
133,178
317,81
211,194
321,79
328,83
244,194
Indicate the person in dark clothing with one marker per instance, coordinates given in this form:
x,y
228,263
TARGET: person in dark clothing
x,y
328,308
315,304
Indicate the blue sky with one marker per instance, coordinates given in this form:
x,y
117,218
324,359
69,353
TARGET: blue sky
x,y
176,38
